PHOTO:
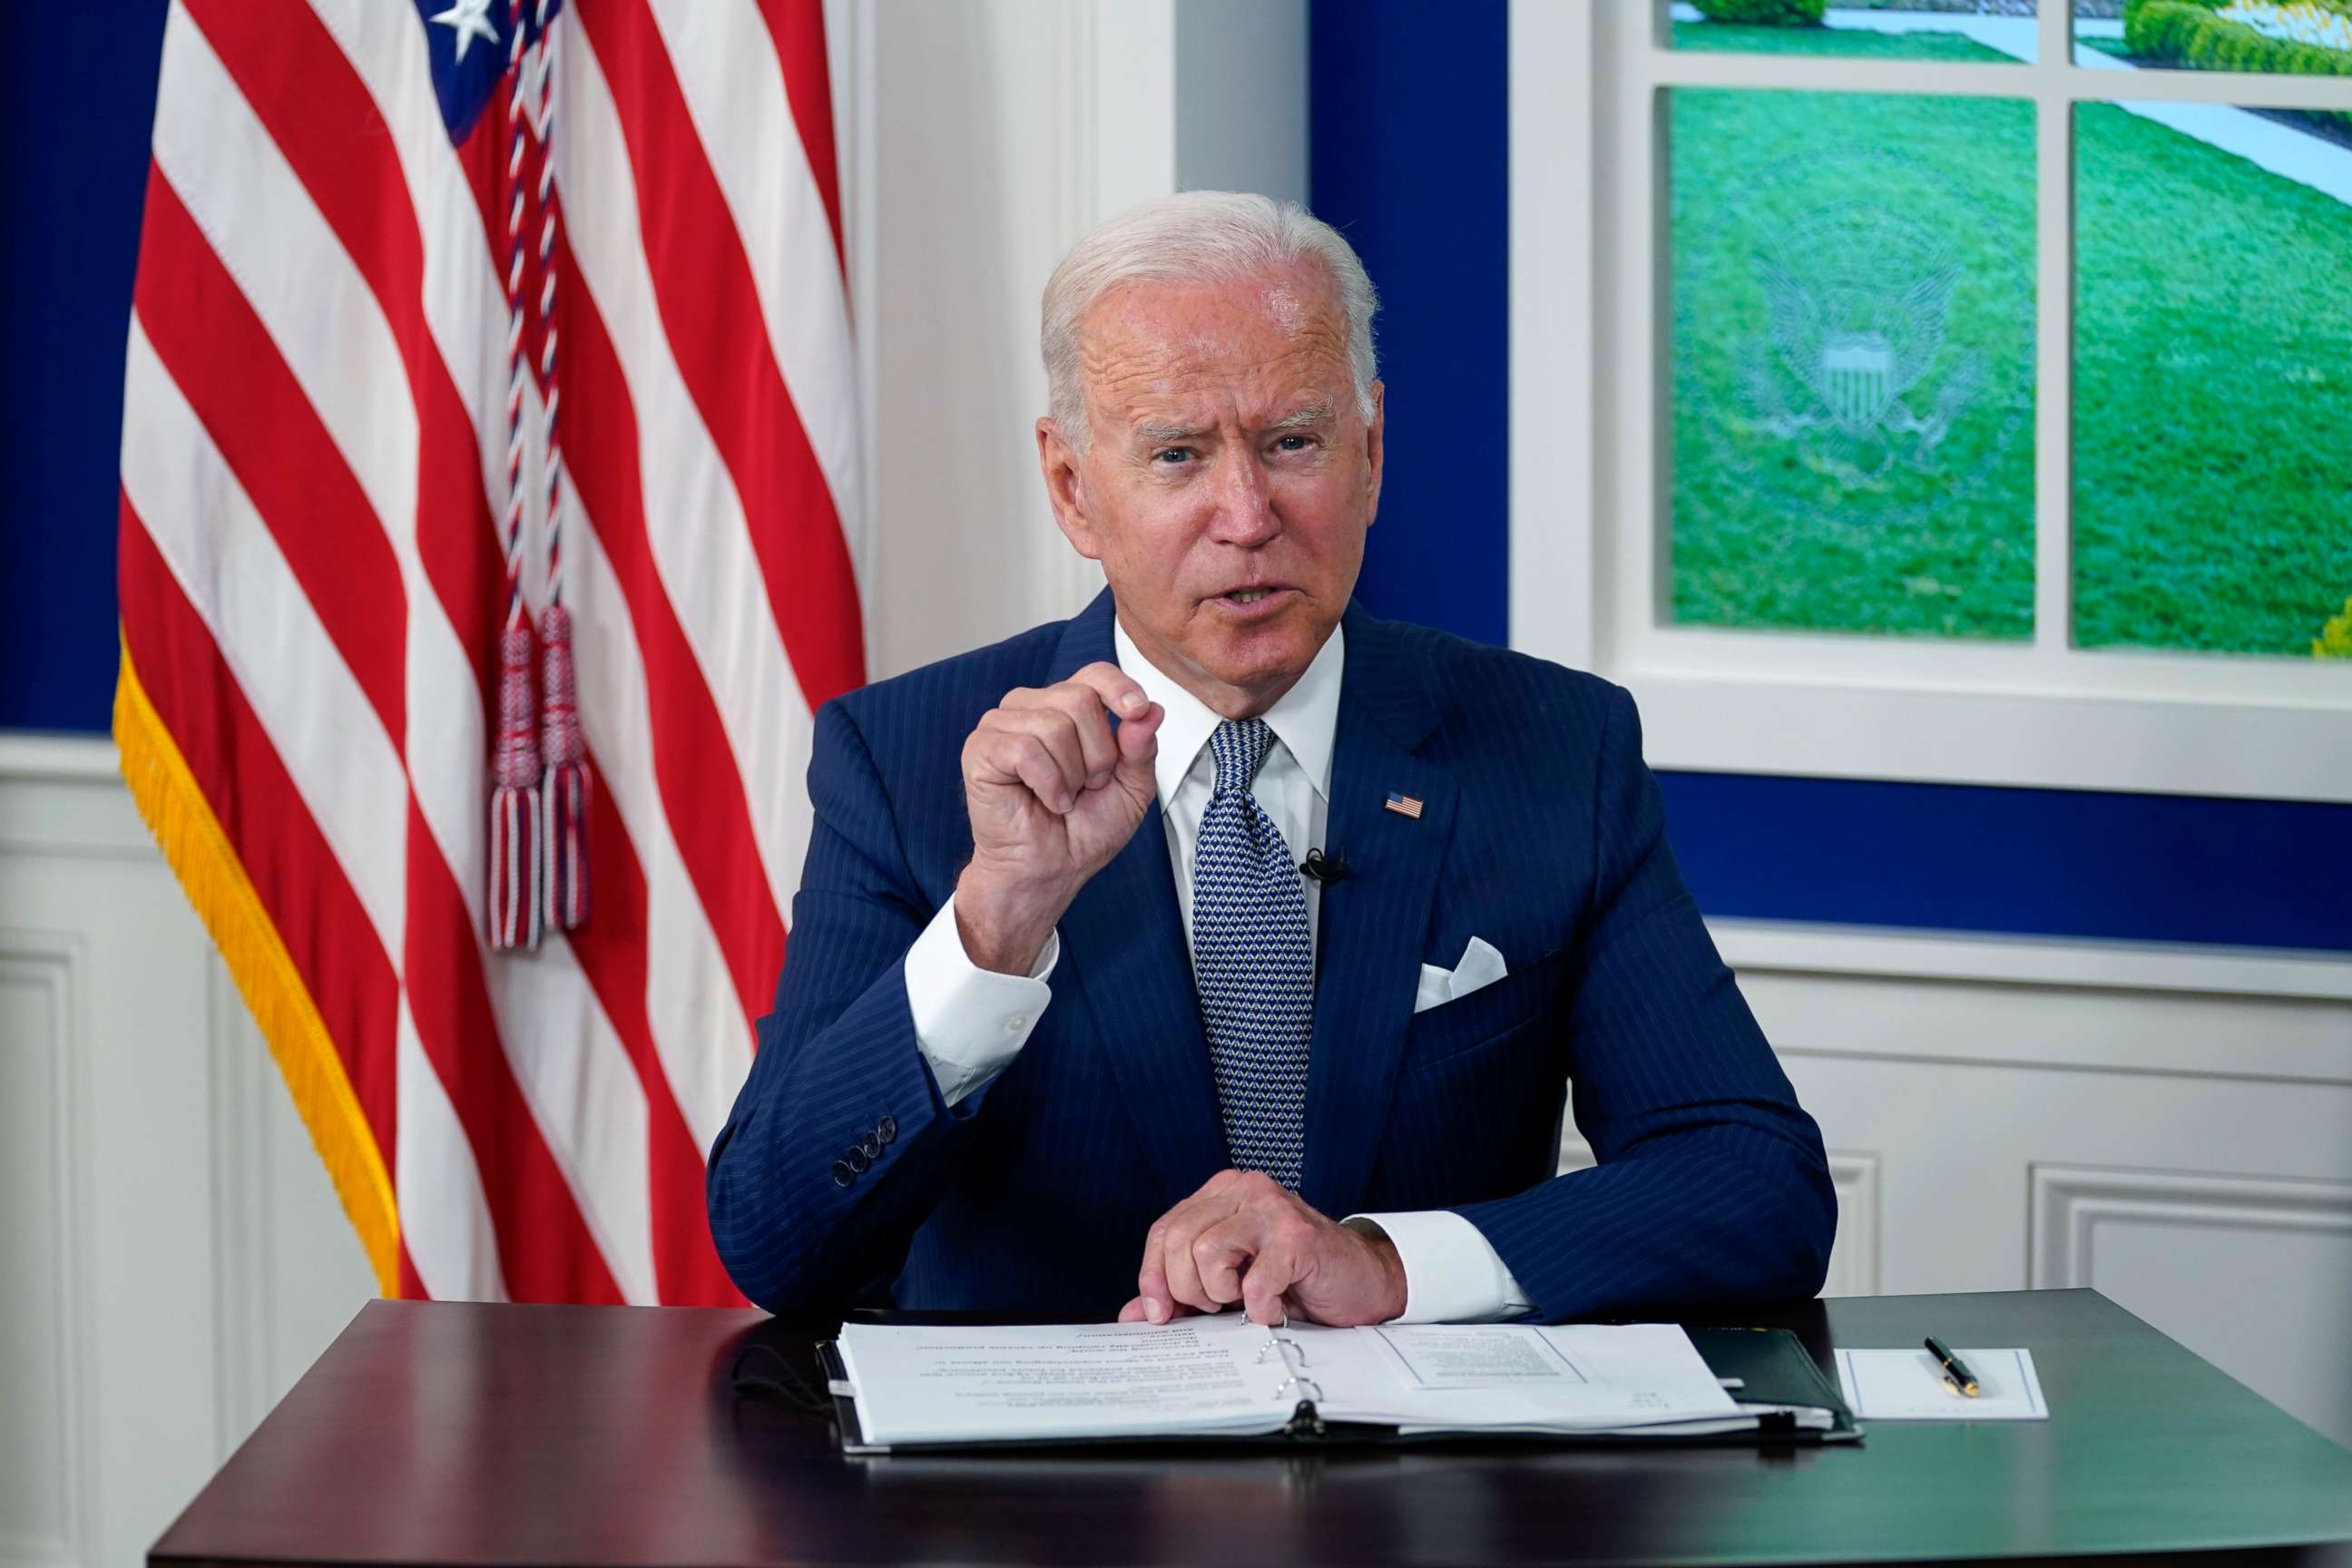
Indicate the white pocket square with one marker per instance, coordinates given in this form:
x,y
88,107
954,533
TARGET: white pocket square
x,y
1481,965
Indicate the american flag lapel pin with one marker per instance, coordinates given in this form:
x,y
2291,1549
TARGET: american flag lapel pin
x,y
1404,804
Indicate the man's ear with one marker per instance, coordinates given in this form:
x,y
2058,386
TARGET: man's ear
x,y
1375,451
1065,487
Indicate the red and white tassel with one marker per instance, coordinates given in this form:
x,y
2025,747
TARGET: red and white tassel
x,y
517,891
566,783
516,810
566,786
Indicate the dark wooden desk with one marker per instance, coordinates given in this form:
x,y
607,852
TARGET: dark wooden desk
x,y
457,1434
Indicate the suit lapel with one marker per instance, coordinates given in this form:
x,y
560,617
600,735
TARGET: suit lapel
x,y
1372,927
1123,939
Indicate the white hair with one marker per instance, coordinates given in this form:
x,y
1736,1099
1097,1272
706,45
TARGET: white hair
x,y
1197,237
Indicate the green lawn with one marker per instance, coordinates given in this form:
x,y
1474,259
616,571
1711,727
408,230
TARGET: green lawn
x,y
2213,395
1810,529
2213,378
1733,38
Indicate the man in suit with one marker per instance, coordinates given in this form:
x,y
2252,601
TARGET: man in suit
x,y
1063,1028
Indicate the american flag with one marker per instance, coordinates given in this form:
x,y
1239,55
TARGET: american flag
x,y
314,482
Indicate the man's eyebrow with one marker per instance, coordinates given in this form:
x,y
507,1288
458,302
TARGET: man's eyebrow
x,y
1303,419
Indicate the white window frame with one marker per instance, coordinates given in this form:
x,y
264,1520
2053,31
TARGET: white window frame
x,y
1589,419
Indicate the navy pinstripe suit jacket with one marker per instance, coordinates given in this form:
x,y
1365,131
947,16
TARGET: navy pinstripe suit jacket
x,y
1541,832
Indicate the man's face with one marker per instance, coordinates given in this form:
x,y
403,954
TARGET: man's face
x,y
1230,477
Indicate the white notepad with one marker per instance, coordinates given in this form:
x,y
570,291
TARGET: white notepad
x,y
1909,1385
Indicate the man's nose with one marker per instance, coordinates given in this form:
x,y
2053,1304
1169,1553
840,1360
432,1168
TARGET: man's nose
x,y
1244,502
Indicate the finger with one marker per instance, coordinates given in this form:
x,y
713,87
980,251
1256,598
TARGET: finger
x,y
1013,751
1138,1311
1267,1283
1060,736
1138,756
1151,1278
1118,689
1089,720
1138,738
1211,1202
1223,1254
1184,1274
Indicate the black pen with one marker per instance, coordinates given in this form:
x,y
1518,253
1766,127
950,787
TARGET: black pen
x,y
1956,1372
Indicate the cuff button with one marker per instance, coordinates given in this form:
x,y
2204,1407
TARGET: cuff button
x,y
871,1148
855,1158
842,1174
887,1130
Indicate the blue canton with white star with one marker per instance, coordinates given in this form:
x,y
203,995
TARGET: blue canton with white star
x,y
467,42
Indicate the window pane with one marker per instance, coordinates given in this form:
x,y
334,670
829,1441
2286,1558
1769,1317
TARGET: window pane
x,y
1988,30
2212,379
1852,361
2296,37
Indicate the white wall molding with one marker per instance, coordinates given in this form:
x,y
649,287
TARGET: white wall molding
x,y
65,758
240,1077
2208,1012
1806,947
65,796
50,970
2071,1204
2252,1272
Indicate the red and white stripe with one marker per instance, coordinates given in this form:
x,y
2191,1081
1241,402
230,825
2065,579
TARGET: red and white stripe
x,y
314,474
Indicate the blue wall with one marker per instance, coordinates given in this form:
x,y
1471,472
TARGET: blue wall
x,y
1411,141
1410,158
77,93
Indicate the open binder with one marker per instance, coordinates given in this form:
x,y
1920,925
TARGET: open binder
x,y
914,1388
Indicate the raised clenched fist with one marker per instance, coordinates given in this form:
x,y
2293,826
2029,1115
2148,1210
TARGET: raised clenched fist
x,y
1055,789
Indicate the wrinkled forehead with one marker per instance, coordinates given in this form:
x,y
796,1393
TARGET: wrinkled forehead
x,y
1151,349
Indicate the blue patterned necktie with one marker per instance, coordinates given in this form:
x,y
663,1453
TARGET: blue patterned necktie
x,y
1252,963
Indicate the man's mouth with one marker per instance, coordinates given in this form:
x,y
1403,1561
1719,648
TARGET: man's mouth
x,y
1256,595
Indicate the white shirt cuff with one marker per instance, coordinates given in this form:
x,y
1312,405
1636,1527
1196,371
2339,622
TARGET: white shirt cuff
x,y
970,1022
1452,1273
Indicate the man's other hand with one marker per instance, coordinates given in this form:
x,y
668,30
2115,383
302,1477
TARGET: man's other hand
x,y
1242,1237
1053,792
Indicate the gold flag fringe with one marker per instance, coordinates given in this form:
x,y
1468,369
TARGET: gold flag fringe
x,y
213,878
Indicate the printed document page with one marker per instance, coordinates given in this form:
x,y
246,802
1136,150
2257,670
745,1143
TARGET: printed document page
x,y
1067,1380
1582,1377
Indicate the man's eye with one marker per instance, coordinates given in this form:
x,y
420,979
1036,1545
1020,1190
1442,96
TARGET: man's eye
x,y
1170,457
1293,442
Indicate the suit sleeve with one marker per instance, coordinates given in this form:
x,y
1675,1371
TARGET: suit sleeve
x,y
840,1143
1711,1180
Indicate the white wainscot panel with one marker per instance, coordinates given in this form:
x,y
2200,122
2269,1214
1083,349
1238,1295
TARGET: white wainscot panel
x,y
2171,1127
2258,1272
43,1518
172,1255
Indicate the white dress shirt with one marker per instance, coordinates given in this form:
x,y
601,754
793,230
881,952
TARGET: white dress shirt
x,y
970,1022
